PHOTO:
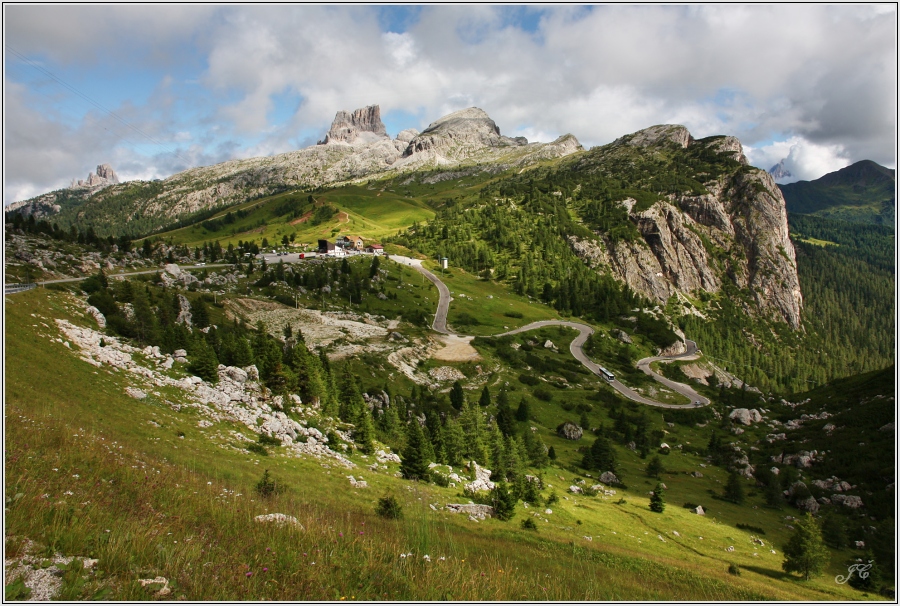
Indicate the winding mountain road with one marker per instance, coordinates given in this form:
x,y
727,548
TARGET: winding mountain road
x,y
576,347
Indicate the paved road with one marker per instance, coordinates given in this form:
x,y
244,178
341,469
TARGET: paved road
x,y
576,347
440,316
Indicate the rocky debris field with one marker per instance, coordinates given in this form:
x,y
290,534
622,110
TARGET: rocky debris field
x,y
236,398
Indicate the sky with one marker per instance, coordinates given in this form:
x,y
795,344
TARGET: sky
x,y
156,89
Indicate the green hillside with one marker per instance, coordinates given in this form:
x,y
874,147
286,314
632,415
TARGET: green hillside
x,y
863,192
148,491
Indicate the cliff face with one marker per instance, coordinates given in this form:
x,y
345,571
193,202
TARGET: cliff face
x,y
736,231
361,126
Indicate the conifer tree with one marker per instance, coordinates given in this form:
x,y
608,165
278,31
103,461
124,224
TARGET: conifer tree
x,y
734,489
805,552
833,532
655,467
551,454
498,450
454,442
203,362
523,412
503,501
505,419
199,313
413,465
656,500
485,399
534,446
457,395
364,431
868,573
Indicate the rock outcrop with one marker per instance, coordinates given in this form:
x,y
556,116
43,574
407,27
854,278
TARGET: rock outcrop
x,y
360,126
735,230
104,177
569,431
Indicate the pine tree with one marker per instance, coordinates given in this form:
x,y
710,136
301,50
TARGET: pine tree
x,y
534,446
457,395
655,467
869,567
454,442
498,450
523,413
485,399
656,500
805,552
364,431
203,362
505,419
833,532
734,489
199,313
413,464
551,454
503,501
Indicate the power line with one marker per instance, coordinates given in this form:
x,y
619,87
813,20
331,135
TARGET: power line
x,y
95,103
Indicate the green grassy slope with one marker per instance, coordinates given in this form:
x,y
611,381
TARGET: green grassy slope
x,y
98,479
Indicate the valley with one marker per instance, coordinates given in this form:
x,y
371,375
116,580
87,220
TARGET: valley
x,y
229,399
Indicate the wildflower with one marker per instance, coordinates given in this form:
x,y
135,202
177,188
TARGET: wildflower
x,y
209,483
76,476
403,555
426,557
249,574
361,532
265,570
270,549
341,534
343,597
442,558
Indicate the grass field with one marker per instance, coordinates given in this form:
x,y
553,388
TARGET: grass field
x,y
146,501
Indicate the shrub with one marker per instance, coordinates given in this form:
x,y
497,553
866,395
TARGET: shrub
x,y
258,448
755,529
267,486
528,524
513,314
733,569
269,440
529,380
389,508
543,394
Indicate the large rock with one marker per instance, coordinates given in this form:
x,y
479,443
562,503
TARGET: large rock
x,y
851,502
746,417
475,510
361,126
608,477
570,431
808,504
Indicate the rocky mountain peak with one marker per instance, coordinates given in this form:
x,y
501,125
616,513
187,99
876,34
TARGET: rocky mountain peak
x,y
779,171
459,135
360,126
657,135
105,176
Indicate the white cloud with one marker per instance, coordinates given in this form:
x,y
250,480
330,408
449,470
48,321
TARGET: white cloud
x,y
805,160
823,77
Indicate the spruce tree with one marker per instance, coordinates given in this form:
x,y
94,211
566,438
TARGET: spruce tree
x,y
805,552
656,500
413,464
505,419
485,399
867,576
523,412
734,489
454,442
551,454
203,362
503,501
833,532
457,395
655,467
199,313
534,446
364,431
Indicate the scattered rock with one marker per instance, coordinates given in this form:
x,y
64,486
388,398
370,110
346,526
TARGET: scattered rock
x,y
570,431
278,519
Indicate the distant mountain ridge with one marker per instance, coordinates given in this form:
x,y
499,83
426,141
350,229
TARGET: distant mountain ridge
x,y
356,147
864,192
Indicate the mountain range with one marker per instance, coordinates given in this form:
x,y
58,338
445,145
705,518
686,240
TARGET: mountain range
x,y
864,192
